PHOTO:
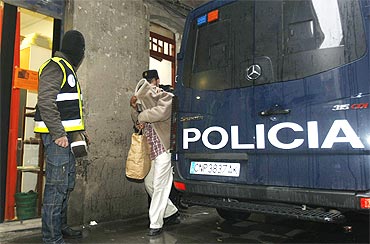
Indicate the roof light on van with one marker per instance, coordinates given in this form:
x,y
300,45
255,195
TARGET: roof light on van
x,y
202,20
212,16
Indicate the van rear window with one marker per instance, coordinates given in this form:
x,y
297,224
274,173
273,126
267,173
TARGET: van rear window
x,y
288,40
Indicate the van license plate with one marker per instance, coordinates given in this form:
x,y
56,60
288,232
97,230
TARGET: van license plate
x,y
215,168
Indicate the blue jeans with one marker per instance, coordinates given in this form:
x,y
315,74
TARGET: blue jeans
x,y
60,175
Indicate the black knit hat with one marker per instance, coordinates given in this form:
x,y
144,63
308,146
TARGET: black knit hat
x,y
73,45
150,74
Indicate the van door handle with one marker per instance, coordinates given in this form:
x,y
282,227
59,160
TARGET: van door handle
x,y
274,111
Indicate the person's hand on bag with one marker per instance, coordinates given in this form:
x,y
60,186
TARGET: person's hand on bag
x,y
139,125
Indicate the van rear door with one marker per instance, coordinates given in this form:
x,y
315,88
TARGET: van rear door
x,y
209,106
308,98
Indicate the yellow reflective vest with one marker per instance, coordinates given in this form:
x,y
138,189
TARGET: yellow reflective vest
x,y
69,100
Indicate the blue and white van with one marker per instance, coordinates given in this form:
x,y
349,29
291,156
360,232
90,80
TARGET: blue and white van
x,y
272,108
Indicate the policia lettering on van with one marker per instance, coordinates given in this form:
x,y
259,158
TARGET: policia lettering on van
x,y
332,137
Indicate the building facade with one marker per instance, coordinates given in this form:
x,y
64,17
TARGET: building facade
x,y
117,35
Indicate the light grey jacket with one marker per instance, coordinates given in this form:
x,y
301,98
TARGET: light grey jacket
x,y
157,105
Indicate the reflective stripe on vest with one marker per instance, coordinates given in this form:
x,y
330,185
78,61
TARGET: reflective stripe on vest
x,y
67,96
69,100
74,125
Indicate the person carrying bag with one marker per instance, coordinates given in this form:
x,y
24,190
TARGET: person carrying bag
x,y
151,112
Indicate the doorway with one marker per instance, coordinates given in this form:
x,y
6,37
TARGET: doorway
x,y
163,53
37,36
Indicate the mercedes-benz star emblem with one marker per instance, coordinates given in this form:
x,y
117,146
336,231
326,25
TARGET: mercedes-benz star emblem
x,y
253,72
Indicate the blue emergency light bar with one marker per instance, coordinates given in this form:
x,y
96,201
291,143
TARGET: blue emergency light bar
x,y
202,20
209,17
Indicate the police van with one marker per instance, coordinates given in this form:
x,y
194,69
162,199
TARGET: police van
x,y
271,113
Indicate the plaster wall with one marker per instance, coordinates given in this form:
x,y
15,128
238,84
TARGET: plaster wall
x,y
117,52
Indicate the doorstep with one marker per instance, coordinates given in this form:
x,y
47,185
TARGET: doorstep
x,y
17,225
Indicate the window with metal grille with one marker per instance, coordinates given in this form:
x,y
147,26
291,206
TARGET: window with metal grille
x,y
162,47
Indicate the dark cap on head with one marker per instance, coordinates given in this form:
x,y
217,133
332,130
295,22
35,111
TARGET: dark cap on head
x,y
150,74
73,45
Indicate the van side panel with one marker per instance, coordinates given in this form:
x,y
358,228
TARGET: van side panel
x,y
280,102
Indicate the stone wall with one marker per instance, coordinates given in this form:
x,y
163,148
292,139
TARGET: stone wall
x,y
117,52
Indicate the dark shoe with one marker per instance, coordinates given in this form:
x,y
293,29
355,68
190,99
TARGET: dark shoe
x,y
172,220
69,233
154,232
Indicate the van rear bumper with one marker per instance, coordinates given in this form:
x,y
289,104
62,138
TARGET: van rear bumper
x,y
288,211
329,199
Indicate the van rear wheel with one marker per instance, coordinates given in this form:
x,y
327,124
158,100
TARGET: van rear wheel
x,y
232,215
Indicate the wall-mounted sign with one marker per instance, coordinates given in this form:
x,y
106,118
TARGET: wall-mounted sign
x,y
26,79
53,8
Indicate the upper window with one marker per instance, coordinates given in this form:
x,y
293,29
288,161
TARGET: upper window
x,y
287,39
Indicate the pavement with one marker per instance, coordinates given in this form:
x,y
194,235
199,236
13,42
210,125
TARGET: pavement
x,y
120,231
13,229
201,225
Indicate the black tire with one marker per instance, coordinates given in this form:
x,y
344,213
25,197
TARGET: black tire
x,y
232,215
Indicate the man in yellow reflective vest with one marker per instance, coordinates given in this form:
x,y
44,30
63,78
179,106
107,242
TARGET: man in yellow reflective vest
x,y
58,116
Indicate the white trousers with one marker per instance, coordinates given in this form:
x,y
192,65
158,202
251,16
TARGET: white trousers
x,y
158,184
